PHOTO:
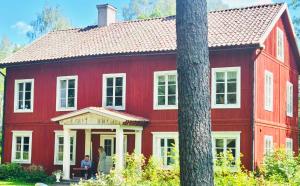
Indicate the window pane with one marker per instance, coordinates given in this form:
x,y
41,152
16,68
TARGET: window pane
x,y
61,140
118,101
60,156
161,90
60,148
109,101
161,80
18,147
220,99
231,143
27,104
119,81
220,76
219,143
21,105
28,95
171,142
28,87
26,148
109,91
231,98
161,100
71,84
63,84
63,103
171,100
71,93
26,140
21,96
107,146
21,86
71,102
18,155
231,87
220,88
19,139
231,76
118,91
109,82
63,94
172,79
172,89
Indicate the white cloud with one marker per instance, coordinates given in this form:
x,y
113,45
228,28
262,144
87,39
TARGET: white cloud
x,y
22,27
243,3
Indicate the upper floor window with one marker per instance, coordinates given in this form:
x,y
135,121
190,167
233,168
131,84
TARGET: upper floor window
x,y
21,146
66,95
280,45
164,144
114,89
268,145
226,142
289,99
268,91
289,145
226,88
165,90
59,147
24,95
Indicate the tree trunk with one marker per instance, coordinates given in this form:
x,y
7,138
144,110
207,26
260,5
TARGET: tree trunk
x,y
195,147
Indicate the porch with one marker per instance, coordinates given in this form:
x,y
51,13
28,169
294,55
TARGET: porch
x,y
111,126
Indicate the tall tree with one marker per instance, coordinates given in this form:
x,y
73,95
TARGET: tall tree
x,y
295,6
50,19
195,146
6,47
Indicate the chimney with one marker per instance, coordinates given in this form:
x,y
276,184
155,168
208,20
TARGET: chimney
x,y
106,14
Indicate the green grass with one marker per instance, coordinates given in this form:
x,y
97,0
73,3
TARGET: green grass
x,y
15,183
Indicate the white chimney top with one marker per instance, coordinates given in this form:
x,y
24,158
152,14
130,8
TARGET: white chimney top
x,y
106,14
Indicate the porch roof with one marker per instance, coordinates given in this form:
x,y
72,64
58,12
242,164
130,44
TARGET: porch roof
x,y
99,116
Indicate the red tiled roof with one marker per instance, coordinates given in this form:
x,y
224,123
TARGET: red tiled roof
x,y
227,28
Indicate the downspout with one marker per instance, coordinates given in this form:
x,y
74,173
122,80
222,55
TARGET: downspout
x,y
257,53
3,116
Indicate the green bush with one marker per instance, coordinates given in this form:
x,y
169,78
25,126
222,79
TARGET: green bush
x,y
11,171
33,174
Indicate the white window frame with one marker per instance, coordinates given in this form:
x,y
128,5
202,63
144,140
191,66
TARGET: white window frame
x,y
61,134
58,107
16,98
13,153
289,140
268,89
238,88
157,136
114,76
155,90
227,135
280,48
289,99
266,149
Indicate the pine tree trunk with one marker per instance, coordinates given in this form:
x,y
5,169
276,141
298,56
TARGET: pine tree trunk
x,y
195,147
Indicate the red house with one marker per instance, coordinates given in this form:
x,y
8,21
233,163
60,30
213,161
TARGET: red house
x,y
115,85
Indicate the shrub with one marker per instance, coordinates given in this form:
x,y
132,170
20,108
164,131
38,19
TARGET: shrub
x,y
10,171
34,173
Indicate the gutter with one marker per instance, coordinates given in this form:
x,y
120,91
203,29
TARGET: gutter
x,y
3,116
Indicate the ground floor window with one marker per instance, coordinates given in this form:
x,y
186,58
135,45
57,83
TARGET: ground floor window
x,y
21,147
226,142
59,147
163,146
268,145
289,145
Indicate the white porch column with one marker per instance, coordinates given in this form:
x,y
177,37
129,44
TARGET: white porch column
x,y
87,149
138,142
119,148
66,160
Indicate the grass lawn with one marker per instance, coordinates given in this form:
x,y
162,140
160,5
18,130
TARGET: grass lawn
x,y
15,183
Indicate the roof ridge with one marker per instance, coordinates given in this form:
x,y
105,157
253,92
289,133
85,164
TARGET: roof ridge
x,y
248,7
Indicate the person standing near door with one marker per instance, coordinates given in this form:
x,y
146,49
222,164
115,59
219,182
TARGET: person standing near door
x,y
101,163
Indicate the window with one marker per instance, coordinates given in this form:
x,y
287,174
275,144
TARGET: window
x,y
289,99
24,95
165,90
59,148
289,145
163,146
280,45
226,141
66,96
268,91
268,145
21,147
226,87
114,89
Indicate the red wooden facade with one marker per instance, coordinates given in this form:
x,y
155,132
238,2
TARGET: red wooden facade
x,y
250,117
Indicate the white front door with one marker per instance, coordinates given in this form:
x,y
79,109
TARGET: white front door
x,y
108,142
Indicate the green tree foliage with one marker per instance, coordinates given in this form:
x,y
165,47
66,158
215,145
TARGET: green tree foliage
x,y
143,9
295,6
50,19
6,47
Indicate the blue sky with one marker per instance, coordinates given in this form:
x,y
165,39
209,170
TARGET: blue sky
x,y
15,15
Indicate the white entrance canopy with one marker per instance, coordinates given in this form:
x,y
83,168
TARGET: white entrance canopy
x,y
100,118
